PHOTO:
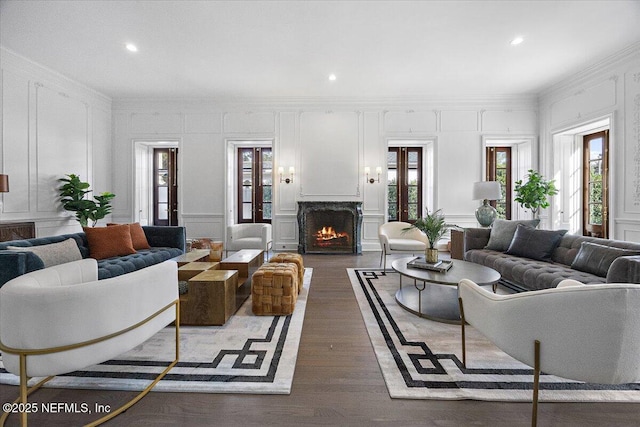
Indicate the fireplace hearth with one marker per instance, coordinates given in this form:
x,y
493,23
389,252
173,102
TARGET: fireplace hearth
x,y
329,227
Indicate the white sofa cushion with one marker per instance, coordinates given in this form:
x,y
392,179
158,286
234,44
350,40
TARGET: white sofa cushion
x,y
53,253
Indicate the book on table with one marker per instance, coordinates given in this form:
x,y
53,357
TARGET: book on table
x,y
439,266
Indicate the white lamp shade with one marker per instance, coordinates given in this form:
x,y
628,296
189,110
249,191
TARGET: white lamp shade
x,y
489,190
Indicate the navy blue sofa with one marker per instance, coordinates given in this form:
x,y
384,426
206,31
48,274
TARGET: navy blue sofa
x,y
165,242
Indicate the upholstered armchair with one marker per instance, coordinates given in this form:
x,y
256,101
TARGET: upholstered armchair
x,y
249,236
62,318
395,239
587,333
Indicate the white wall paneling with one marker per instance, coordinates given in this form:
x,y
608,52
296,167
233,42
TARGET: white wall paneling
x,y
51,126
330,155
632,142
584,102
459,121
249,122
207,226
375,155
62,143
410,121
156,122
286,233
202,123
509,120
285,153
15,137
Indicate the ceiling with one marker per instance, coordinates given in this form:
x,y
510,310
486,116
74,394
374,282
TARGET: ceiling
x,y
287,49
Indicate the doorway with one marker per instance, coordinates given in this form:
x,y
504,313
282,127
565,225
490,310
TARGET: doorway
x,y
156,175
165,186
582,171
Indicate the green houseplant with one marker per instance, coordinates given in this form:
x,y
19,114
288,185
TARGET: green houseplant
x,y
73,198
434,226
534,194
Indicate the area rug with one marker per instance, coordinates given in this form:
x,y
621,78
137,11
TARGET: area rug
x,y
421,358
249,354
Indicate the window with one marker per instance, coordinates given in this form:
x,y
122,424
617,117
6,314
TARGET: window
x,y
594,183
165,186
255,183
404,180
499,169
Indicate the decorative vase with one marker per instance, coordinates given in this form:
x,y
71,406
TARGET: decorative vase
x,y
431,255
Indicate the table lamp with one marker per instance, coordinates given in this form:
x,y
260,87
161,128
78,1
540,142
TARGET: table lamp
x,y
4,187
485,191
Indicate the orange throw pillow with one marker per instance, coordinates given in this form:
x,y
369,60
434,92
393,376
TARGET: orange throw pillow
x,y
107,242
138,237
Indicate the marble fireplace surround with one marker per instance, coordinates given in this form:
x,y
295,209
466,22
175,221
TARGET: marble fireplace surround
x,y
307,209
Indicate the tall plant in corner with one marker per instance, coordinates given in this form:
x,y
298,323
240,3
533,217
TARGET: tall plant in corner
x,y
534,194
73,198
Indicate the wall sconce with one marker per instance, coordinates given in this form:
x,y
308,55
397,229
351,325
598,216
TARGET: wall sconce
x,y
289,179
367,171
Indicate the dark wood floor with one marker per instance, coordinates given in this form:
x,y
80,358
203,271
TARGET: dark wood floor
x,y
337,382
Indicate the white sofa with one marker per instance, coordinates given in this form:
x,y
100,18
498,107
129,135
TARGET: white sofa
x,y
587,333
62,318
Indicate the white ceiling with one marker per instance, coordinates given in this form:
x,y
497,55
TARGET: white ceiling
x,y
287,49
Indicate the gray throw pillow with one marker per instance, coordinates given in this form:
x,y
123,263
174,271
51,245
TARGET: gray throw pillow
x,y
596,259
53,253
535,244
502,232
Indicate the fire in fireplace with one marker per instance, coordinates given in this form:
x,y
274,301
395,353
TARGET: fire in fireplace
x,y
328,237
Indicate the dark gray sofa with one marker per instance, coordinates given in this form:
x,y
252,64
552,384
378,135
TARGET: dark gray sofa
x,y
524,274
165,242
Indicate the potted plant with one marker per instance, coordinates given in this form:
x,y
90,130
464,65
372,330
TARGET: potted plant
x,y
434,226
535,192
73,198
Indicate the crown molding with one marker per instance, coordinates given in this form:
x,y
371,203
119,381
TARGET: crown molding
x,y
608,64
414,102
11,60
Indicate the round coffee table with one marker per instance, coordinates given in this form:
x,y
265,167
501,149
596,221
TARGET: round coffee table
x,y
439,300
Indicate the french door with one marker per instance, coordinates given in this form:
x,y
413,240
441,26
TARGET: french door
x,y
165,186
404,181
255,184
595,179
499,169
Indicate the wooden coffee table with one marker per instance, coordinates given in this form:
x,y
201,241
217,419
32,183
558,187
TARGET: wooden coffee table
x,y
216,290
434,295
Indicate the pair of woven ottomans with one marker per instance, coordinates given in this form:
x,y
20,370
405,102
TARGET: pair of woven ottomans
x,y
276,284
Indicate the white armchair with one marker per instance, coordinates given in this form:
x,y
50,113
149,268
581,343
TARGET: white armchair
x,y
249,236
395,239
587,333
62,318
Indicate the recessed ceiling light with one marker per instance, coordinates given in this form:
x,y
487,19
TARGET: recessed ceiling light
x,y
516,41
131,47
332,77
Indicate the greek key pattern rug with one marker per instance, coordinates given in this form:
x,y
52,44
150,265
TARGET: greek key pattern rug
x,y
249,354
422,359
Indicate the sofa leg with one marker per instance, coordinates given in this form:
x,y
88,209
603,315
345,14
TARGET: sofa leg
x,y
536,383
462,322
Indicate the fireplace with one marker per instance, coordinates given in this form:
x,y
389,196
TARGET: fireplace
x,y
329,227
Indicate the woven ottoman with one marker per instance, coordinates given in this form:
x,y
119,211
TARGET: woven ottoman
x,y
274,289
294,258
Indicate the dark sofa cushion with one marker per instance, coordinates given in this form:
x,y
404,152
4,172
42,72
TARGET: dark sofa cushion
x,y
596,259
115,266
502,232
534,244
